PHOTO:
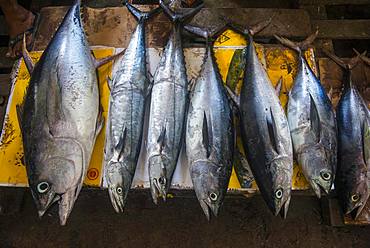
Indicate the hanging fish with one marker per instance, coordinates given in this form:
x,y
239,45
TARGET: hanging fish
x,y
60,116
353,119
169,97
209,133
128,93
265,131
312,123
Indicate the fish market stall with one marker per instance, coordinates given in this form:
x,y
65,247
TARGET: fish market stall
x,y
280,63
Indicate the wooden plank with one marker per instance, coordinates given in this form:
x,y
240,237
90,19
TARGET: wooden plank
x,y
4,61
3,27
100,24
343,29
332,2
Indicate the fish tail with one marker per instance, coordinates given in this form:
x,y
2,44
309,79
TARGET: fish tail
x,y
180,16
141,15
363,56
206,32
248,30
298,46
346,66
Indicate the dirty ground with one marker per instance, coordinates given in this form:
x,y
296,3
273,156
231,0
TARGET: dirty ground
x,y
178,223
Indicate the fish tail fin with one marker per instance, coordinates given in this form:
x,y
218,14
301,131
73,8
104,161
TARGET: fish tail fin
x,y
179,16
298,46
363,56
248,30
141,15
206,32
346,66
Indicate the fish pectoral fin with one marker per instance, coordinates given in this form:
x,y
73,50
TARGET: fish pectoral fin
x,y
110,83
162,139
235,99
272,131
278,86
207,135
99,122
26,56
366,142
315,125
100,62
54,109
119,148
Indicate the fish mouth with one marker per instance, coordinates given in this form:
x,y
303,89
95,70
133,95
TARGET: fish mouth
x,y
116,200
317,187
158,191
356,211
208,208
283,210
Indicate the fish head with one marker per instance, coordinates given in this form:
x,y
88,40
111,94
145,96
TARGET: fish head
x,y
210,183
357,194
318,170
159,178
53,170
281,186
119,183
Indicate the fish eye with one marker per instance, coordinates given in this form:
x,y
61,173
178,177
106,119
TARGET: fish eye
x,y
43,187
119,190
325,175
355,198
279,193
213,196
162,180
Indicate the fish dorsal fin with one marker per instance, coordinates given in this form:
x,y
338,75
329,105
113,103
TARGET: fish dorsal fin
x,y
207,135
314,119
366,141
272,130
120,146
162,139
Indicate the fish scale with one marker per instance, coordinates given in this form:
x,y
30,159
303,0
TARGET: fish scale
x,y
209,135
169,98
128,91
60,117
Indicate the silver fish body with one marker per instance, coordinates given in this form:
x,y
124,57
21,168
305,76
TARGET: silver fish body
x,y
313,129
265,135
59,117
210,137
352,180
169,98
128,93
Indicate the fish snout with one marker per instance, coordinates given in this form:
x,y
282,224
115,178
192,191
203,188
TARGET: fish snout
x,y
116,195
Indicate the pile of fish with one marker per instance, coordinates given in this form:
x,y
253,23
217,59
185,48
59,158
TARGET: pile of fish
x,y
61,117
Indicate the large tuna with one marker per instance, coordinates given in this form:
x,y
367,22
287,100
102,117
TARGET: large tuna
x,y
169,99
60,117
265,132
209,134
312,123
353,119
128,91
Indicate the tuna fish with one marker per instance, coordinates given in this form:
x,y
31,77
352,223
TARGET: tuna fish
x,y
312,123
60,116
128,91
265,131
353,120
209,133
169,97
